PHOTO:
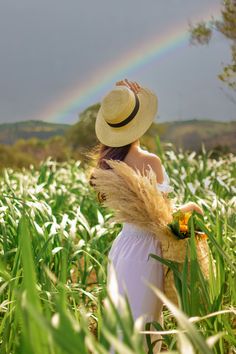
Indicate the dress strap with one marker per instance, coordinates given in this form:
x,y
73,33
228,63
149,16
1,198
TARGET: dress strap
x,y
165,185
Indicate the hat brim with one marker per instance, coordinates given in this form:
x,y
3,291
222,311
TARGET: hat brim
x,y
121,136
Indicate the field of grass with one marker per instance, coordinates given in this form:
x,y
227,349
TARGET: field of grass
x,y
54,241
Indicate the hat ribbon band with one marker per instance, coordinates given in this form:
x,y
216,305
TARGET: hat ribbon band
x,y
130,117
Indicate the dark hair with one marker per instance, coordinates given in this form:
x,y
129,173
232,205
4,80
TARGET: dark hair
x,y
113,153
101,152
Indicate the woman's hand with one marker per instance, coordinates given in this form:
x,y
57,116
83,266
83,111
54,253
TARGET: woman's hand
x,y
132,85
190,206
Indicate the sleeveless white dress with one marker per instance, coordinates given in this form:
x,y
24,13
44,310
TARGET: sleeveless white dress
x,y
129,258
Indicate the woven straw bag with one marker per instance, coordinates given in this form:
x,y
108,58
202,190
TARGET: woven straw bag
x,y
175,250
122,186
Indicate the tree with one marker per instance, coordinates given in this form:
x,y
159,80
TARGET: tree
x,y
202,32
82,134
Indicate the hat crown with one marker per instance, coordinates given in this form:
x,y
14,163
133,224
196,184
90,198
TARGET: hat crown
x,y
118,104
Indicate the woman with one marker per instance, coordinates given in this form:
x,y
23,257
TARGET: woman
x,y
125,115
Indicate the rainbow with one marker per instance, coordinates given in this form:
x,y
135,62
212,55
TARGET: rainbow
x,y
66,108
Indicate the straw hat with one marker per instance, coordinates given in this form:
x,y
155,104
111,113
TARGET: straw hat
x,y
125,116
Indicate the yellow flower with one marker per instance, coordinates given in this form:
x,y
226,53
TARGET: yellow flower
x,y
183,228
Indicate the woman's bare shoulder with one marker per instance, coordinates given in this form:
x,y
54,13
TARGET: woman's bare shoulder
x,y
150,156
147,159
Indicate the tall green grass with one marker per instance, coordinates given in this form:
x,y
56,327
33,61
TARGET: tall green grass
x,y
54,241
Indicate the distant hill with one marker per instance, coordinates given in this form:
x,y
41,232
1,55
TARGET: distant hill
x,y
11,132
188,134
192,133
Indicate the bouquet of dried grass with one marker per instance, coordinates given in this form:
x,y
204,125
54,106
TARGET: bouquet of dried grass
x,y
135,198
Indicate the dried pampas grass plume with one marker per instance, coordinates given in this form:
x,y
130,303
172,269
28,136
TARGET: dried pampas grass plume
x,y
134,197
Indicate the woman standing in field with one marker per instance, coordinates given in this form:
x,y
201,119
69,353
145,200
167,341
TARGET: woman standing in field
x,y
125,115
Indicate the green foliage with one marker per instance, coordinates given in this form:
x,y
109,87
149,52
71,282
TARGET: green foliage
x,y
24,153
202,32
82,134
229,71
54,242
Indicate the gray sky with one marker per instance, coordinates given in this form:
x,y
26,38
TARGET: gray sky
x,y
49,48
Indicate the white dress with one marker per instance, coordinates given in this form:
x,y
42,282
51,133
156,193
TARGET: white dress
x,y
129,257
